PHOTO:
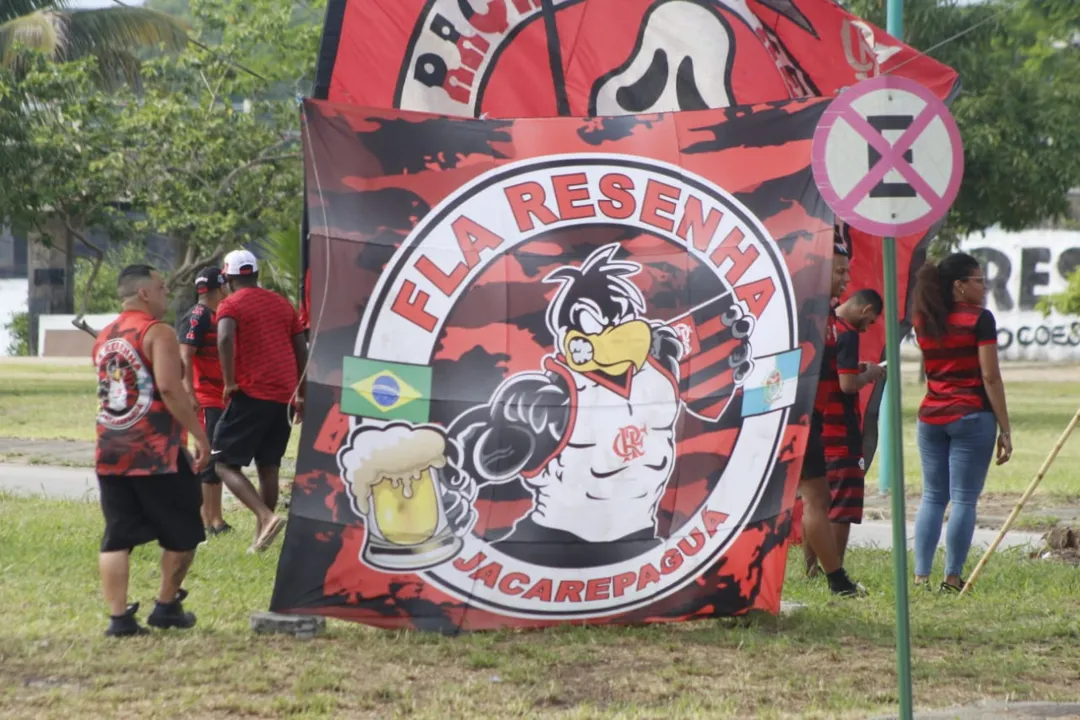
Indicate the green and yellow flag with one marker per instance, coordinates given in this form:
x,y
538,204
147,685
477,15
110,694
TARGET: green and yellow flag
x,y
385,390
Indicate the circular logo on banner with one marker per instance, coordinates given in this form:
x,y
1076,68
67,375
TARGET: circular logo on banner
x,y
887,157
465,55
622,304
125,388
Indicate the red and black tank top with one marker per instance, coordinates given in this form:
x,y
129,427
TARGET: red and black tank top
x,y
954,384
136,434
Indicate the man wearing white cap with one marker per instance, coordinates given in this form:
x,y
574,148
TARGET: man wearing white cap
x,y
262,348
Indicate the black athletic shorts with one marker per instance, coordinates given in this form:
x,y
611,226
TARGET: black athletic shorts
x,y
252,429
139,509
210,418
814,460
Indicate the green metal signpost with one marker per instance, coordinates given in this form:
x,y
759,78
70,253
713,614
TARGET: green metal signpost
x,y
847,134
894,453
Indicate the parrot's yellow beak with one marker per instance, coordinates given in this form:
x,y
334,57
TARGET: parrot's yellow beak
x,y
612,352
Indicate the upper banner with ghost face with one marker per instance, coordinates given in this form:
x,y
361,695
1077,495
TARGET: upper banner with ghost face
x,y
538,58
541,58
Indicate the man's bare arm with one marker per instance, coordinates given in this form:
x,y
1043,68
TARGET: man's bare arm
x,y
163,349
187,359
226,342
300,350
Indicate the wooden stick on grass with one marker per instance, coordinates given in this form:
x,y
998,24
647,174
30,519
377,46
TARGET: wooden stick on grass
x,y
1023,499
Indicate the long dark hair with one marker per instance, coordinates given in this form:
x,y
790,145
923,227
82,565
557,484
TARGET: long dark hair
x,y
934,291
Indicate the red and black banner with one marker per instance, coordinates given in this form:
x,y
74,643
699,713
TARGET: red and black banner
x,y
563,367
542,58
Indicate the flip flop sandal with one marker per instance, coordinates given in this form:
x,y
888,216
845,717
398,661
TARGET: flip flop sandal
x,y
269,534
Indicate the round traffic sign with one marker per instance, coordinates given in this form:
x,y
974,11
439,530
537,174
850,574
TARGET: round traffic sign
x,y
887,157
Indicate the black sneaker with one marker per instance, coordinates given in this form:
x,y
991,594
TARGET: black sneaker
x,y
171,615
221,529
952,589
841,585
125,625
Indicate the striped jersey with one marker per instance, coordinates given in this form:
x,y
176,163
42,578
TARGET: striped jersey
x,y
954,384
841,433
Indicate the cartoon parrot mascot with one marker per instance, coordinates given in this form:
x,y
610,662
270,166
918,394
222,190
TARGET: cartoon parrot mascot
x,y
593,433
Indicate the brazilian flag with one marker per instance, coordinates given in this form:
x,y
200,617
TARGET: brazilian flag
x,y
385,390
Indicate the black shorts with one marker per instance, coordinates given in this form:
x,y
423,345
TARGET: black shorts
x,y
139,509
814,460
210,418
252,429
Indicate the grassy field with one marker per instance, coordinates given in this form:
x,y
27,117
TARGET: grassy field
x,y
1015,637
57,402
54,402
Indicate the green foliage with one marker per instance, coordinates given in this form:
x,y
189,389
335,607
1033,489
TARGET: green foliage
x,y
1018,106
1066,302
114,36
280,269
19,330
100,296
205,153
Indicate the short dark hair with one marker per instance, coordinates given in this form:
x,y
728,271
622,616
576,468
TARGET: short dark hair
x,y
127,284
251,280
871,297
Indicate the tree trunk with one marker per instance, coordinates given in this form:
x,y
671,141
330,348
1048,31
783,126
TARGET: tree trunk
x,y
183,295
51,272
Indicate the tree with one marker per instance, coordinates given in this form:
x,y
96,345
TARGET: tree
x,y
1017,110
205,153
114,36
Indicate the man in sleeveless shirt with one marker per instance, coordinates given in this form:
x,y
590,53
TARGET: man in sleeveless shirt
x,y
147,482
197,333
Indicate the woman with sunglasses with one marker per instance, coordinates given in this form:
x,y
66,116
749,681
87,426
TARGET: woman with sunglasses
x,y
962,413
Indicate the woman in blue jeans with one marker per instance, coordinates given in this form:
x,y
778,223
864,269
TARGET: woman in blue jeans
x,y
963,415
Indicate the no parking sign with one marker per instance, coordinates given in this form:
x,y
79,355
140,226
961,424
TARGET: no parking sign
x,y
887,157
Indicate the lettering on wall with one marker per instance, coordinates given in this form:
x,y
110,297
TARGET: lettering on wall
x,y
1021,269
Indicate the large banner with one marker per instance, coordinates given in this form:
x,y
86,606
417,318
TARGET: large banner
x,y
541,58
562,369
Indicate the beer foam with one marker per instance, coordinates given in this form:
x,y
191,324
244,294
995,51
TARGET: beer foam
x,y
397,453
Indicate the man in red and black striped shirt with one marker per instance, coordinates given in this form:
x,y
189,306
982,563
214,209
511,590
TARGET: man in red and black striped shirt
x,y
818,535
263,350
197,333
841,434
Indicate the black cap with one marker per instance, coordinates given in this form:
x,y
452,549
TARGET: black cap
x,y
208,279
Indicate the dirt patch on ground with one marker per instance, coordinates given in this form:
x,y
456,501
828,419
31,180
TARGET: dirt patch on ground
x,y
1062,544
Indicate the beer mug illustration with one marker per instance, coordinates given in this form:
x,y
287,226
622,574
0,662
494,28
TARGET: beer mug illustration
x,y
392,474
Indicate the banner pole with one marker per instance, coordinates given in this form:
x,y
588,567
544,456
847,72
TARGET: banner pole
x,y
894,453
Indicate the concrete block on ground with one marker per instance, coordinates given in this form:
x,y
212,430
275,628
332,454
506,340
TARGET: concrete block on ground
x,y
303,627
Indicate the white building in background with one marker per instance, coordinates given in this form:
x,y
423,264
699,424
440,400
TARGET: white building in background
x,y
13,294
1022,268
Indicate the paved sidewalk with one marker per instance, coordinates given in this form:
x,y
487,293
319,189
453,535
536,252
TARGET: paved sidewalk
x,y
81,483
1002,711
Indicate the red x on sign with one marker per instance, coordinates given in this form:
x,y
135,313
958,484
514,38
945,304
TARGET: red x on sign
x,y
852,157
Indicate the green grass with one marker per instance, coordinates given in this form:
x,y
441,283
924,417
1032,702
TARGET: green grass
x,y
57,402
1016,637
54,402
1039,413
